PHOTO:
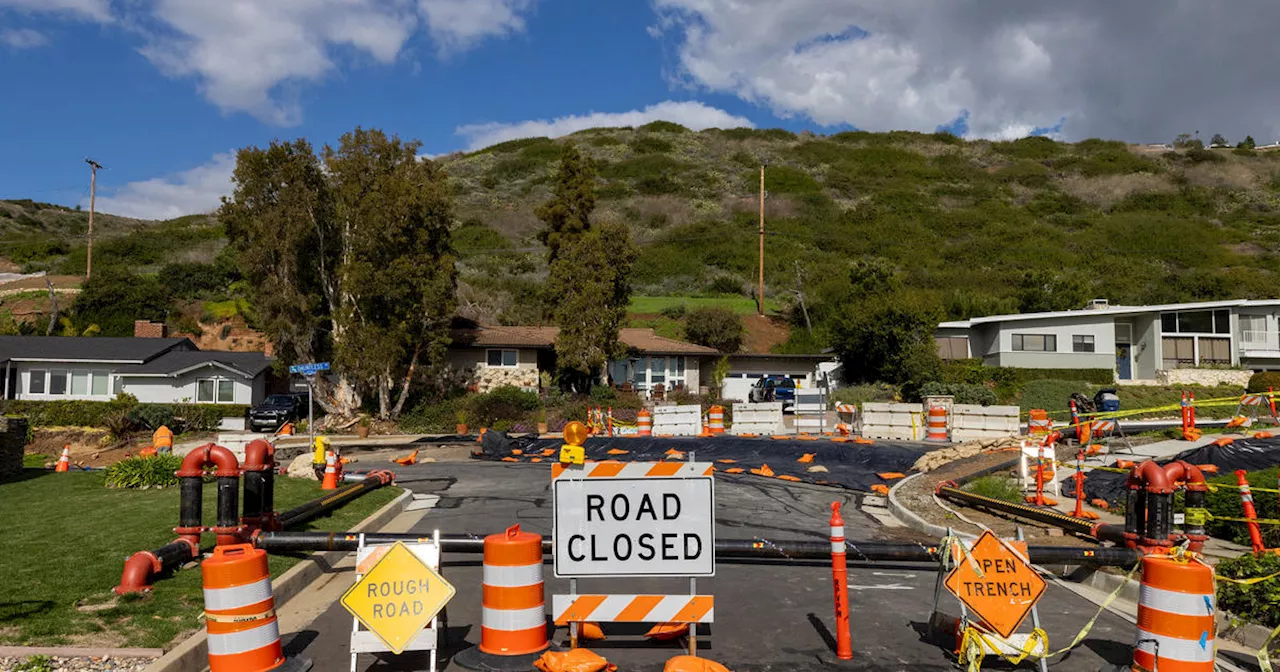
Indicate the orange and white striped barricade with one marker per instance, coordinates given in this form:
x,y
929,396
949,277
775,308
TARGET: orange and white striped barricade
x,y
634,519
1038,422
937,430
513,621
1176,611
847,416
240,611
1032,456
365,641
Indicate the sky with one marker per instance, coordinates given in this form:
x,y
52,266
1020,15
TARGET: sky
x,y
163,92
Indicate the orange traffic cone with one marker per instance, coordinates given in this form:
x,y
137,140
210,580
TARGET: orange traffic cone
x,y
330,472
64,462
406,461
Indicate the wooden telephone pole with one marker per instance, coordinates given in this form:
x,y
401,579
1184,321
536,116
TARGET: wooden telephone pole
x,y
760,295
93,193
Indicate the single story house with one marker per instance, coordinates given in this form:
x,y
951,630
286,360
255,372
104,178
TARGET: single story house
x,y
493,356
155,370
1138,343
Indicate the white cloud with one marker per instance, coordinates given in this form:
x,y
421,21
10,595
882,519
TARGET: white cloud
x,y
95,10
22,38
458,24
1133,70
690,114
192,191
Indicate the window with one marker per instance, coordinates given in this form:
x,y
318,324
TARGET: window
x,y
503,358
1196,322
658,371
57,382
119,385
1081,343
36,384
215,391
80,383
1215,351
1178,352
100,383
952,347
1035,343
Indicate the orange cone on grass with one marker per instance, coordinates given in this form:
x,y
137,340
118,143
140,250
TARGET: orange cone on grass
x,y
64,462
330,472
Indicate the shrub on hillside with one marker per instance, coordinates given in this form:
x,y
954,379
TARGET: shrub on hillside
x,y
718,328
503,406
1263,380
646,144
156,471
664,127
964,393
1052,395
1257,602
188,417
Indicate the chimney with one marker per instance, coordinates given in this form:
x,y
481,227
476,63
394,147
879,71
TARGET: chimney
x,y
1097,304
149,329
269,349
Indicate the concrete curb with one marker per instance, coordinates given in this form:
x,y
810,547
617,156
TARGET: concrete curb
x,y
909,517
192,654
77,652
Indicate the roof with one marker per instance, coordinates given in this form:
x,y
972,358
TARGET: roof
x,y
246,364
770,355
90,349
644,341
1101,312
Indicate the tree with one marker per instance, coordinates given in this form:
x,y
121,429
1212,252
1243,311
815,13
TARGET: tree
x,y
1217,140
1187,141
888,338
397,266
589,287
1247,143
573,196
113,298
1042,291
718,328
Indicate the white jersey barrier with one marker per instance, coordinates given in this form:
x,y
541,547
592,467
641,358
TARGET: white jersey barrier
x,y
969,422
677,420
892,421
763,418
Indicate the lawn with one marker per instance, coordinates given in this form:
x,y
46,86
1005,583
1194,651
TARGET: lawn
x,y
66,539
650,305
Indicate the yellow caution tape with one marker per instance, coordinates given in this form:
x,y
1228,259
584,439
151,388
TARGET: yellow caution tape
x,y
1196,516
1246,582
1264,658
1233,519
975,642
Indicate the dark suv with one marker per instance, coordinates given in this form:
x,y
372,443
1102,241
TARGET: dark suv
x,y
774,388
276,410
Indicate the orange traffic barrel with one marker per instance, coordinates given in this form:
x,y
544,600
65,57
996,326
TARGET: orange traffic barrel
x,y
240,612
937,425
645,421
513,621
716,417
1039,422
1175,616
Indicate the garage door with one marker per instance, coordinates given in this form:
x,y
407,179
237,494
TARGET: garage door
x,y
738,388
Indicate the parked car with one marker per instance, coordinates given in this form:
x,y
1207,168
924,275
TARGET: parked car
x,y
774,388
276,410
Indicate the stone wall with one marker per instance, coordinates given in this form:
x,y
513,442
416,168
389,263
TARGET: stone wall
x,y
1206,377
488,378
13,438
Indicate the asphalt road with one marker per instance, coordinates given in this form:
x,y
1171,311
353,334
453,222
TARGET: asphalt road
x,y
767,616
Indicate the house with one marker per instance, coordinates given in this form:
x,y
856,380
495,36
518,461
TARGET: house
x,y
494,356
1138,343
155,370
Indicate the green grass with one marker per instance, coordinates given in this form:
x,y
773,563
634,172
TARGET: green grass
x,y
224,310
66,537
662,326
34,460
649,305
996,487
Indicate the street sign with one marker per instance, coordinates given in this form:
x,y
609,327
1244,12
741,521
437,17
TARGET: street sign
x,y
1002,588
615,519
398,597
309,369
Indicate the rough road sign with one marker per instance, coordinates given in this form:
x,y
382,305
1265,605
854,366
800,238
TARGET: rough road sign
x,y
634,519
1001,589
398,597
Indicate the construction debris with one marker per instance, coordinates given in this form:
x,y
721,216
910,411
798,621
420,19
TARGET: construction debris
x,y
933,460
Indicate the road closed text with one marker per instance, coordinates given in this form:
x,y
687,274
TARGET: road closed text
x,y
634,527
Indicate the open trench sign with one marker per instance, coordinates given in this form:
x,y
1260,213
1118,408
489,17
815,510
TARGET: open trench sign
x,y
1001,589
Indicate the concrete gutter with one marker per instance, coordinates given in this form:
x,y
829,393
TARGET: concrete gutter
x,y
915,522
192,654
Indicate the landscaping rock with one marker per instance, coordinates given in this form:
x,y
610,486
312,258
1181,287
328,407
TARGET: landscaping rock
x,y
65,664
934,459
301,467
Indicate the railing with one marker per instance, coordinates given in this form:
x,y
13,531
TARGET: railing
x,y
1259,340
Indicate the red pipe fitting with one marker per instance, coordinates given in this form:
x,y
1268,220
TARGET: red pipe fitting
x,y
138,570
191,535
210,453
259,455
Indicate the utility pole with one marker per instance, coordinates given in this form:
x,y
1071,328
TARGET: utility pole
x,y
93,193
760,296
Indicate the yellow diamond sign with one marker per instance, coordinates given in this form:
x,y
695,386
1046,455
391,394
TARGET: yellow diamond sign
x,y
398,597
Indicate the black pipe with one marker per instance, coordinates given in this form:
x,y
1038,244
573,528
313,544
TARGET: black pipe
x,y
726,549
254,496
1048,516
191,505
228,501
315,507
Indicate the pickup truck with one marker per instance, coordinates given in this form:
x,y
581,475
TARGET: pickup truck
x,y
774,388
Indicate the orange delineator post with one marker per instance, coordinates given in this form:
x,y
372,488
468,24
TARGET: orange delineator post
x,y
239,610
610,420
1080,512
64,462
1246,501
513,619
1176,611
840,582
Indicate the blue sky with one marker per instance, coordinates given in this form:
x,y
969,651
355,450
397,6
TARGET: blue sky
x,y
162,91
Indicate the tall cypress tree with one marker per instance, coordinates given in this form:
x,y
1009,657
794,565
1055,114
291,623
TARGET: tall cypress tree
x,y
573,197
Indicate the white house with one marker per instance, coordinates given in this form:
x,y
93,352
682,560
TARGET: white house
x,y
1136,342
155,370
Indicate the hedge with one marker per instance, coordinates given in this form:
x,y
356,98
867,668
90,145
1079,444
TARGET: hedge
x,y
204,417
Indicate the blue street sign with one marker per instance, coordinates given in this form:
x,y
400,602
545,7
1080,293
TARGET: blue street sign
x,y
309,369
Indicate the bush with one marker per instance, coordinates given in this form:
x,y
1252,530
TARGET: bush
x,y
1262,381
675,311
137,472
664,127
431,417
1226,502
650,145
861,394
1052,395
1259,602
718,328
191,417
964,393
502,408
1002,488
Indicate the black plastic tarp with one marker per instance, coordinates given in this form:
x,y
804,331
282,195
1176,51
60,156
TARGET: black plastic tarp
x,y
848,464
1247,454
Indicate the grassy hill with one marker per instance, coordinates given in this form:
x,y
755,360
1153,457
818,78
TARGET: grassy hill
x,y
980,227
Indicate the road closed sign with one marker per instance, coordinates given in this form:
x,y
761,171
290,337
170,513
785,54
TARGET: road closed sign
x,y
634,519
